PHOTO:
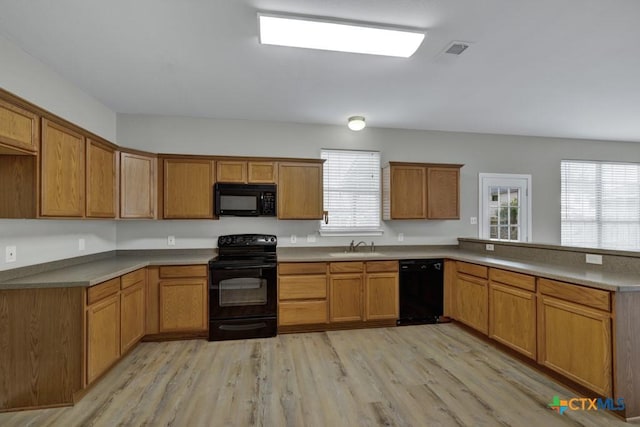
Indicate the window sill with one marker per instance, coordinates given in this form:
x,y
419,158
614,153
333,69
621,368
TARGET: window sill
x,y
349,233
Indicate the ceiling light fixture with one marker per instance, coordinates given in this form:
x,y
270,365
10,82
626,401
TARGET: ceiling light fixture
x,y
356,123
341,36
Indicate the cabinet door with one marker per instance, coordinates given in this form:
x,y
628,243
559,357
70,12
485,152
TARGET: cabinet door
x,y
512,318
132,303
183,305
345,297
62,171
262,173
137,186
103,336
408,193
231,171
443,193
19,129
101,180
575,341
188,188
471,299
302,312
300,191
381,296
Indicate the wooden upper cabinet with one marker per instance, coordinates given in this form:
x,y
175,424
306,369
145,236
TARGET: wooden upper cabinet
x,y
246,172
408,195
262,172
137,186
62,171
231,171
19,130
101,180
443,193
300,191
421,191
187,188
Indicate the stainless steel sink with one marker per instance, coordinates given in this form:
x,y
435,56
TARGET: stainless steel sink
x,y
356,254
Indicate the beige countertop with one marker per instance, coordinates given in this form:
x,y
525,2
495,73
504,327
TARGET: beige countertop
x,y
94,272
587,276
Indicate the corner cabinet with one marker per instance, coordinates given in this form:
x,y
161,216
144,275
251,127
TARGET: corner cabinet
x,y
471,296
420,191
137,185
300,190
187,188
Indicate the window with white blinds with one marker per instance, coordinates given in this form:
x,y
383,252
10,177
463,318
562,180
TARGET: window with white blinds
x,y
600,204
351,191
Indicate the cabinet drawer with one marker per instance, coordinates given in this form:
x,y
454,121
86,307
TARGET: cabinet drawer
x,y
302,313
381,266
346,267
302,287
595,298
132,278
183,271
472,269
302,268
103,290
518,280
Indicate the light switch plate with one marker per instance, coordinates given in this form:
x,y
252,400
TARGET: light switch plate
x,y
171,240
294,238
400,237
81,244
311,238
10,255
473,220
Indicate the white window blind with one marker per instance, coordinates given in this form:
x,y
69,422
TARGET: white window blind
x,y
351,191
600,204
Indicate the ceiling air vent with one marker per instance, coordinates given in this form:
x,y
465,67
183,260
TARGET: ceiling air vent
x,y
456,48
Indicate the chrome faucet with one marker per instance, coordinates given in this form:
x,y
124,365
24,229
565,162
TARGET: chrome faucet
x,y
353,247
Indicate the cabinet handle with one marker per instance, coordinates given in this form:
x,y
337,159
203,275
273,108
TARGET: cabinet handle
x,y
325,214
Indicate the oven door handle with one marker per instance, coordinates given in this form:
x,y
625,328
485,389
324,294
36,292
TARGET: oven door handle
x,y
247,267
246,327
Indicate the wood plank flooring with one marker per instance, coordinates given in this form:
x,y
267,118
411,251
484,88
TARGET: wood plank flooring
x,y
427,375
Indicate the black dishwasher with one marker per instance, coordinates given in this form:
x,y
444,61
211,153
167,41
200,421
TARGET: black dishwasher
x,y
421,291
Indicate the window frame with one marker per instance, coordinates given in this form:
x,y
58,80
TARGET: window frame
x,y
483,217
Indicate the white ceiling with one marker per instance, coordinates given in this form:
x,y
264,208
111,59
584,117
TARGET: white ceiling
x,y
567,68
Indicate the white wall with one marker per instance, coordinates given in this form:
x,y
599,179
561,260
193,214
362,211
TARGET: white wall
x,y
539,157
45,240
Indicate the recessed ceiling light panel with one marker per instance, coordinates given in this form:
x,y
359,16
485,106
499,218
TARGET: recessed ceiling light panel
x,y
338,36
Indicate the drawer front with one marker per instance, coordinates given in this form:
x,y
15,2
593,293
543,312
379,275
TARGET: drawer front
x,y
183,271
472,269
302,313
302,268
103,290
302,287
382,266
132,278
518,280
346,267
590,297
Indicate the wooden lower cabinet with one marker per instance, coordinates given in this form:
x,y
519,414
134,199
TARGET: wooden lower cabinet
x,y
345,298
381,299
575,341
471,299
183,305
103,336
512,310
132,303
302,294
302,312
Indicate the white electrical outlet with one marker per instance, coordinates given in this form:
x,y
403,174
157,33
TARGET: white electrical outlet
x,y
400,237
10,255
311,238
593,259
489,247
294,238
171,240
81,244
473,220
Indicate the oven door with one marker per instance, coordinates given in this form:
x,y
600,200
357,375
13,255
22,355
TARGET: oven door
x,y
243,291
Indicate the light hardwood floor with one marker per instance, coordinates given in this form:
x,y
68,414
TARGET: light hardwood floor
x,y
428,375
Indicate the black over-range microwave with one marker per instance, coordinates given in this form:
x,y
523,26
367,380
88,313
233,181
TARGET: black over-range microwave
x,y
245,200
